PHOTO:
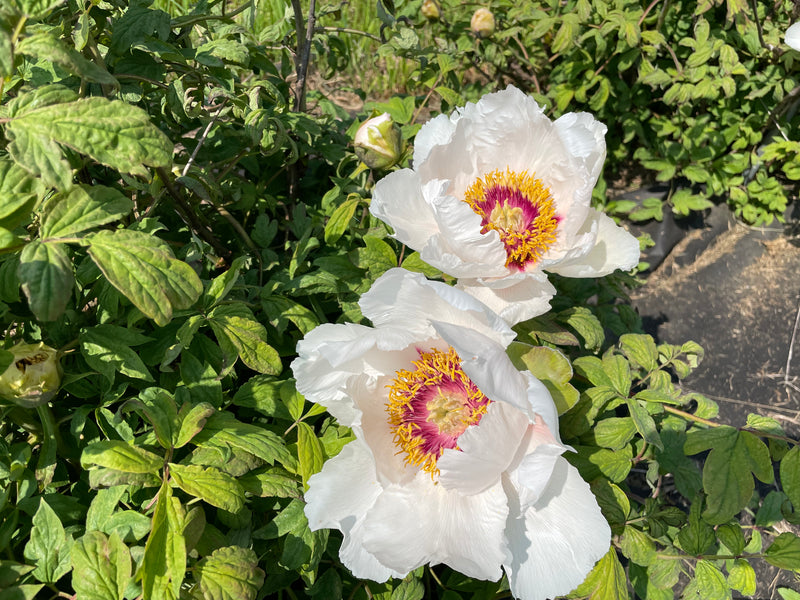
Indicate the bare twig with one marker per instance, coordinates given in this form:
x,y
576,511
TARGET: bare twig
x,y
647,11
303,50
203,137
791,346
348,30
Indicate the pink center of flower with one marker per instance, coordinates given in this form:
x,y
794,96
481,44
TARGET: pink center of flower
x,y
431,406
521,209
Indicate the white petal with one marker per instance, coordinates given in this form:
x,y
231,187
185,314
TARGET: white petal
x,y
485,362
614,249
555,543
338,497
792,38
399,201
584,138
402,300
515,298
435,132
421,523
485,450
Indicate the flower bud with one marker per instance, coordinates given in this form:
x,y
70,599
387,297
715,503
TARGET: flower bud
x,y
378,142
482,23
431,10
34,376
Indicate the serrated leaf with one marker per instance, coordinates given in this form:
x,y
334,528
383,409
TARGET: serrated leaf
x,y
209,484
309,451
790,476
222,430
240,334
588,326
19,194
45,46
121,456
340,219
107,349
48,545
708,584
102,567
784,552
112,132
378,256
45,273
606,581
640,350
728,472
229,573
411,588
637,546
192,422
614,432
82,208
144,269
742,577
164,563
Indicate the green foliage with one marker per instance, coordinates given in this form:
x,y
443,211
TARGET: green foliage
x,y
177,211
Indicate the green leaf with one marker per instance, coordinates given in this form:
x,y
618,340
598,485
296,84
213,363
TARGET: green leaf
x,y
112,132
592,369
281,310
209,484
222,430
41,156
192,422
121,456
82,208
790,476
48,545
619,373
21,592
229,573
223,284
309,451
784,552
273,482
164,563
728,472
45,272
45,46
640,350
240,334
160,409
588,326
552,368
614,432
11,571
742,577
102,567
788,594
708,584
606,581
106,349
413,262
34,9
144,269
340,219
645,424
731,535
696,536
19,194
378,256
638,547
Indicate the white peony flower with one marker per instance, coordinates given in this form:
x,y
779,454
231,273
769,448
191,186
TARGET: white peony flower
x,y
499,193
792,37
457,457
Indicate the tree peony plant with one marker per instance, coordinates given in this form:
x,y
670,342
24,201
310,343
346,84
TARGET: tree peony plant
x,y
499,193
457,457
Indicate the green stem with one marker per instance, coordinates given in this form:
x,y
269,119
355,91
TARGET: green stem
x,y
690,416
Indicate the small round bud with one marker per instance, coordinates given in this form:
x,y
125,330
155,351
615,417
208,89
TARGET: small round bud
x,y
482,23
378,142
34,376
431,10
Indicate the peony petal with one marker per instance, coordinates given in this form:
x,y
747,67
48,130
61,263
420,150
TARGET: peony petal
x,y
792,37
399,200
515,298
584,137
614,248
402,300
436,132
485,450
485,362
422,522
338,497
555,543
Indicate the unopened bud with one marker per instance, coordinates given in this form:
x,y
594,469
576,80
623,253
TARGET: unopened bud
x,y
378,142
431,10
34,376
482,23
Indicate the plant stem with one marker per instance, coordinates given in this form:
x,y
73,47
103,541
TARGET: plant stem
x,y
690,416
